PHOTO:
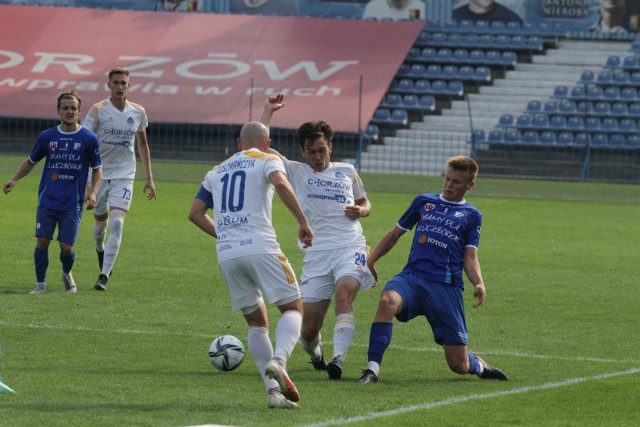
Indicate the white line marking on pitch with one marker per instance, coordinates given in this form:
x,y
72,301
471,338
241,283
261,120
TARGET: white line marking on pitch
x,y
462,399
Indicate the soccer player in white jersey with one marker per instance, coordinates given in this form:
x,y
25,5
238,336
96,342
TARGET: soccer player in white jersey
x,y
69,151
240,192
333,198
119,124
445,244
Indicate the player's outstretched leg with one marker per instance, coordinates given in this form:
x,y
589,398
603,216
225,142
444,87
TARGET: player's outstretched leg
x,y
275,370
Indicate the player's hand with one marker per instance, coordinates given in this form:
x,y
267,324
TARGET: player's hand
x,y
353,212
480,294
152,190
305,235
374,272
276,102
8,186
91,201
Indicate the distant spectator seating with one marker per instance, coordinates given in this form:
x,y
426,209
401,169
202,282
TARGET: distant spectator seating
x,y
525,43
541,29
421,87
396,117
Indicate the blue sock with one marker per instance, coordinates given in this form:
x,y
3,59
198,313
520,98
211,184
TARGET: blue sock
x,y
379,340
67,261
41,260
474,366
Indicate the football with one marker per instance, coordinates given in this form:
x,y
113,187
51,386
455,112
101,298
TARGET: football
x,y
226,353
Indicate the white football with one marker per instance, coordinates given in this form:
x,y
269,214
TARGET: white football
x,y
226,353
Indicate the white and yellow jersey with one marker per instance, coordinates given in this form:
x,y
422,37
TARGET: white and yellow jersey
x,y
323,197
116,130
242,202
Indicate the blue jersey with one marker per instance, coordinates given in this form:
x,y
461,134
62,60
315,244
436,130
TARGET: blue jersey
x,y
65,173
443,230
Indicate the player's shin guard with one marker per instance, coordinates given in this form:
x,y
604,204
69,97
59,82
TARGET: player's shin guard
x,y
41,261
99,234
261,351
287,334
116,224
379,340
343,334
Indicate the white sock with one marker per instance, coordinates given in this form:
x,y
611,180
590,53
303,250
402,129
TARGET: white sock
x,y
373,366
116,223
312,348
343,334
287,334
99,234
262,352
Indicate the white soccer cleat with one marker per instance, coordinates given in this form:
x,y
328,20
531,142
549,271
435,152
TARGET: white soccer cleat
x,y
69,283
277,372
40,288
277,400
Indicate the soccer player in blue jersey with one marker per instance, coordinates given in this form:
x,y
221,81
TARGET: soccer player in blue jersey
x,y
445,242
70,151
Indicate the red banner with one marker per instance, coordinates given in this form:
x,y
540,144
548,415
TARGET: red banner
x,y
201,68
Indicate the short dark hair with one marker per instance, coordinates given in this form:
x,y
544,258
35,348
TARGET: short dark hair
x,y
69,95
310,131
119,70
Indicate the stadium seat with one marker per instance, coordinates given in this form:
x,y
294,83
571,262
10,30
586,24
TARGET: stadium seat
x,y
372,132
455,88
402,86
584,107
469,41
629,94
540,122
481,27
630,63
617,140
514,28
438,87
392,100
530,137
609,124
428,54
523,122
565,139
535,44
550,107
465,26
512,136
587,77
409,102
634,79
603,77
404,70
534,106
548,138
613,61
466,73
619,77
476,57
595,93
424,38
599,140
460,56
485,41
381,116
581,139
566,106
518,42
634,110
444,56
502,41
399,117
632,141
427,103
495,137
414,53
508,58
450,72
433,72
477,137
529,28
449,26
561,91
575,123
619,110
593,124
506,120
454,40
627,126
421,87
492,58
498,27
558,122
483,74
417,71
602,108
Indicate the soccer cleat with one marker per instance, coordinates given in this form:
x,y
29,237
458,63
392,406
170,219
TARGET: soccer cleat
x,y
101,284
277,400
490,372
69,283
334,368
368,376
277,372
320,364
40,288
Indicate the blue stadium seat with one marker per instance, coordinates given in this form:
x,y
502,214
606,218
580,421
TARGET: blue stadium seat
x,y
492,58
470,41
620,77
502,41
465,26
535,44
593,124
428,54
392,100
438,40
551,106
629,94
427,103
450,72
401,86
455,88
534,106
404,70
483,74
603,77
609,124
602,108
466,73
421,87
508,58
567,106
575,123
596,93
476,57
454,40
634,79
512,136
529,28
530,137
581,139
634,109
481,27
485,41
584,107
424,38
460,56
414,53
587,77
433,71
631,63
433,26
495,137
540,122
619,110
617,140
409,102
372,132
506,120
599,140
498,27
613,61
523,121
561,91
565,139
381,116
399,117
514,28
438,87
418,71
558,122
633,141
444,56
449,26
611,93
477,137
578,93
548,138
627,126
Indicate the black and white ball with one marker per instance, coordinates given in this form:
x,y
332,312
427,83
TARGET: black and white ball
x,y
226,353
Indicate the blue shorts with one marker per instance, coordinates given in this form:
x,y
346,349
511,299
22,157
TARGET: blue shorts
x,y
68,223
440,303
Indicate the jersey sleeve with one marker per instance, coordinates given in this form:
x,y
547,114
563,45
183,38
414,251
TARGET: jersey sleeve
x,y
90,121
411,216
39,149
473,231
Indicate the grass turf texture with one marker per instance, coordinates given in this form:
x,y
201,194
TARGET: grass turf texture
x,y
559,260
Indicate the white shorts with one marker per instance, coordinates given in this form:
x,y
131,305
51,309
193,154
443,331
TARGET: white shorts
x,y
251,276
322,269
114,193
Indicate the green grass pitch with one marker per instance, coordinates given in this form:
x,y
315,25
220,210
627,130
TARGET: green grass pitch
x,y
560,261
